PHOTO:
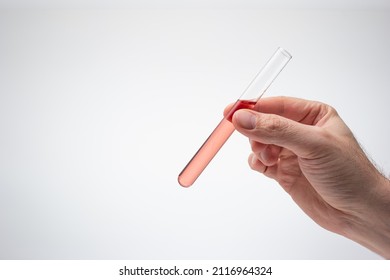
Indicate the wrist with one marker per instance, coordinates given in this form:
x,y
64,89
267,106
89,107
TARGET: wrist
x,y
371,227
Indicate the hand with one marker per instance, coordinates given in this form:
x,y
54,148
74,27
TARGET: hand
x,y
307,148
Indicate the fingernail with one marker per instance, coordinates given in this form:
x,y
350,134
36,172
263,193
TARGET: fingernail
x,y
245,119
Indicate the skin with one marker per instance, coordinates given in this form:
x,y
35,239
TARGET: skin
x,y
307,148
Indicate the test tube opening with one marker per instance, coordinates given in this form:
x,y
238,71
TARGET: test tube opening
x,y
286,53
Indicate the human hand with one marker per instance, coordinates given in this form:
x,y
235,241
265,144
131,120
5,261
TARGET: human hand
x,y
307,148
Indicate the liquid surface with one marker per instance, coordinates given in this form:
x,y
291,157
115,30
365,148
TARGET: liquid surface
x,y
212,145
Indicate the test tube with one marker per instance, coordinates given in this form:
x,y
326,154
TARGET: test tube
x,y
225,128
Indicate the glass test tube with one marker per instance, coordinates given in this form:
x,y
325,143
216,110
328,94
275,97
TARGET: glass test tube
x,y
225,128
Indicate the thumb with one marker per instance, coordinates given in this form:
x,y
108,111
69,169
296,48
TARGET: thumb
x,y
301,139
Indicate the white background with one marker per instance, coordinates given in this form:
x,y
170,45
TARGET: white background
x,y
102,105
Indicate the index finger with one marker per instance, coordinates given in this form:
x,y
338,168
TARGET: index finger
x,y
296,109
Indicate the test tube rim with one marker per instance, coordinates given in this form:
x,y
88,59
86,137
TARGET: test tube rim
x,y
285,52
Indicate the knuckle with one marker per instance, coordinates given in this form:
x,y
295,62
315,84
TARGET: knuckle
x,y
331,110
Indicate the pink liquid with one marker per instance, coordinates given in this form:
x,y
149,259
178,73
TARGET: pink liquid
x,y
211,146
